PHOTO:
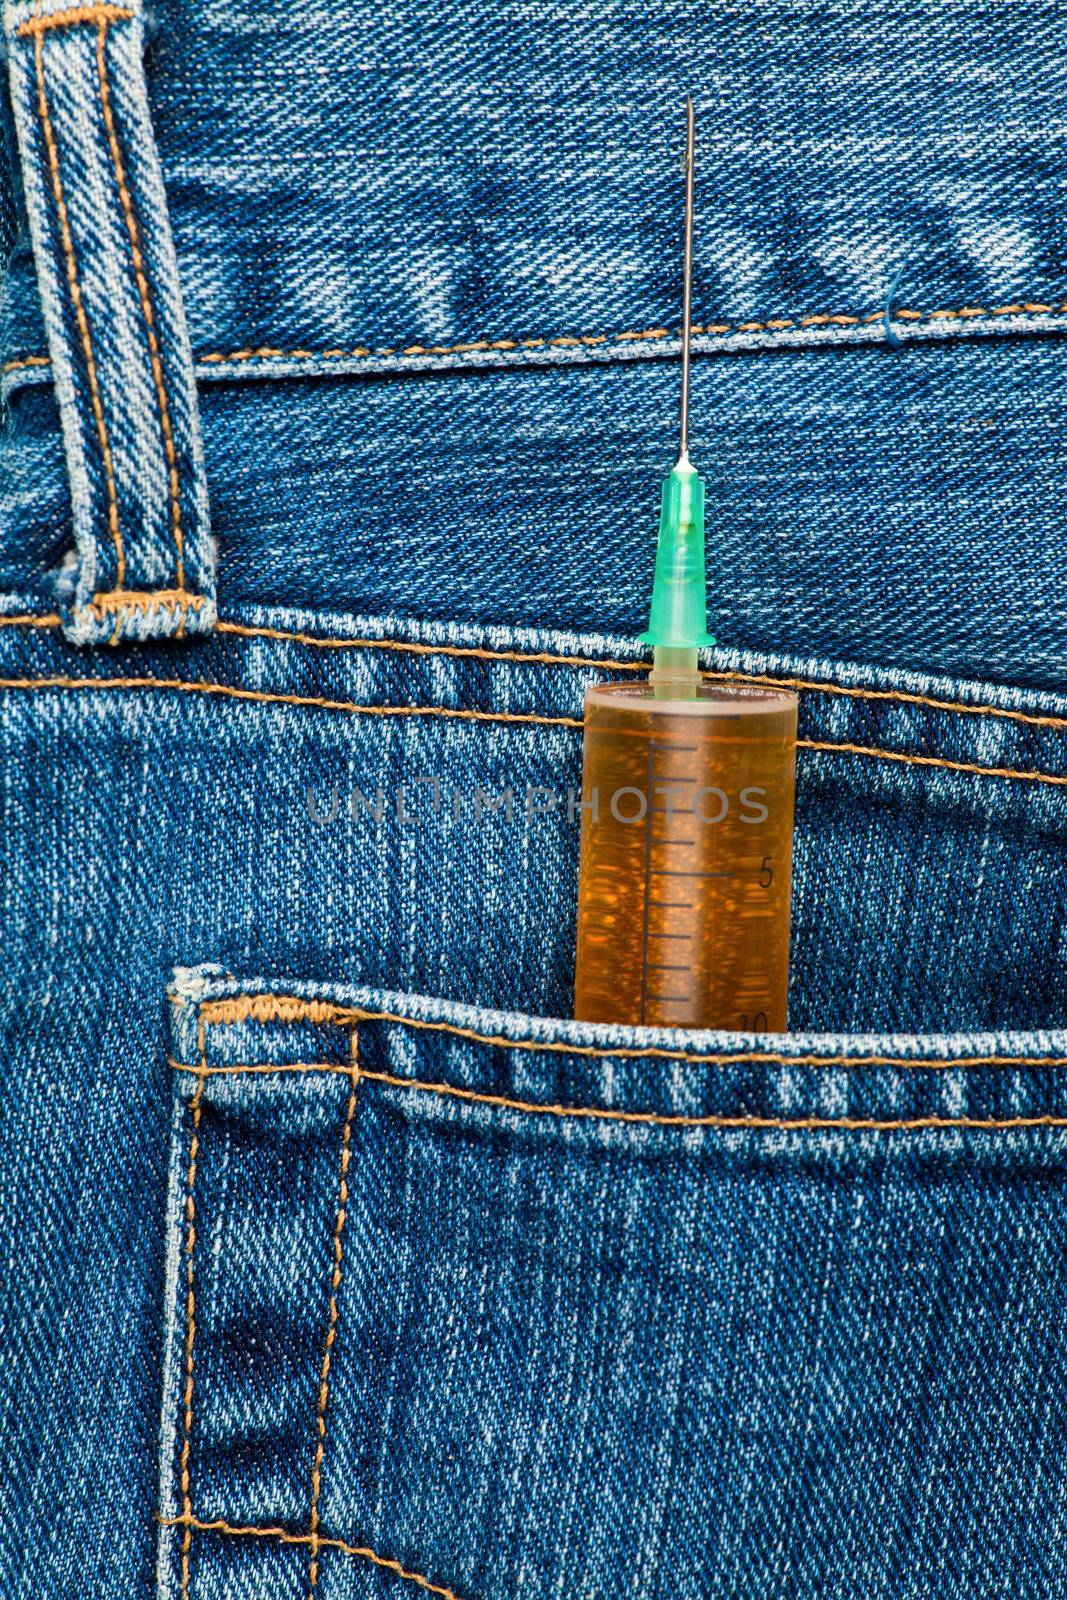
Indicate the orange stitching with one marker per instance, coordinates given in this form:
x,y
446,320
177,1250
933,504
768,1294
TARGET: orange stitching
x,y
414,647
899,696
464,714
290,1008
771,324
653,1118
29,619
190,1308
607,663
273,1008
331,1327
932,761
938,1063
75,288
71,18
144,600
221,1526
784,1124
261,696
146,302
263,1068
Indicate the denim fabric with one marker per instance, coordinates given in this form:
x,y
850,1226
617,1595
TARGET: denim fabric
x,y
922,807
544,1310
143,565
346,177
922,485
510,1310
346,184
930,903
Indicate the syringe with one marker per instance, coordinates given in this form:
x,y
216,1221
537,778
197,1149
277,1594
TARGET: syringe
x,y
687,795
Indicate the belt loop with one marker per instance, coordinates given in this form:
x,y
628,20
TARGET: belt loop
x,y
143,566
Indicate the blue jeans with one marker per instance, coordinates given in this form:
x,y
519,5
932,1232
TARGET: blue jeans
x,y
339,368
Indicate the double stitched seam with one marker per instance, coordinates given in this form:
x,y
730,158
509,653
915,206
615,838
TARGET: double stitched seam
x,y
190,1312
331,1323
542,658
146,306
118,600
608,664
290,1008
314,1540
466,714
220,1525
37,27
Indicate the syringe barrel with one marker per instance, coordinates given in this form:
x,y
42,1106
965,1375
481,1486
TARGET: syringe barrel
x,y
686,857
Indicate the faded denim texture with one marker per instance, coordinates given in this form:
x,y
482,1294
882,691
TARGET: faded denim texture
x,y
452,187
339,1264
143,565
525,1316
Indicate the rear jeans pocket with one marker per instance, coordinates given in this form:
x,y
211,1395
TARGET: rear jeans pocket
x,y
494,1306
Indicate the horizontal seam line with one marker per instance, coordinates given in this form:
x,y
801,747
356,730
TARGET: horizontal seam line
x,y
467,714
944,762
183,685
607,663
721,1121
939,1063
267,1008
569,341
30,619
712,1120
219,1525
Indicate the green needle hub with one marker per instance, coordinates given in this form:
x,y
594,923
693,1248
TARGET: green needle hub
x,y
679,612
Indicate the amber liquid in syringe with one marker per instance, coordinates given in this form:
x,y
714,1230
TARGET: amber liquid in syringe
x,y
687,829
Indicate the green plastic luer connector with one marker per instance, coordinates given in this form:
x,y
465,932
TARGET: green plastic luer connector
x,y
679,613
